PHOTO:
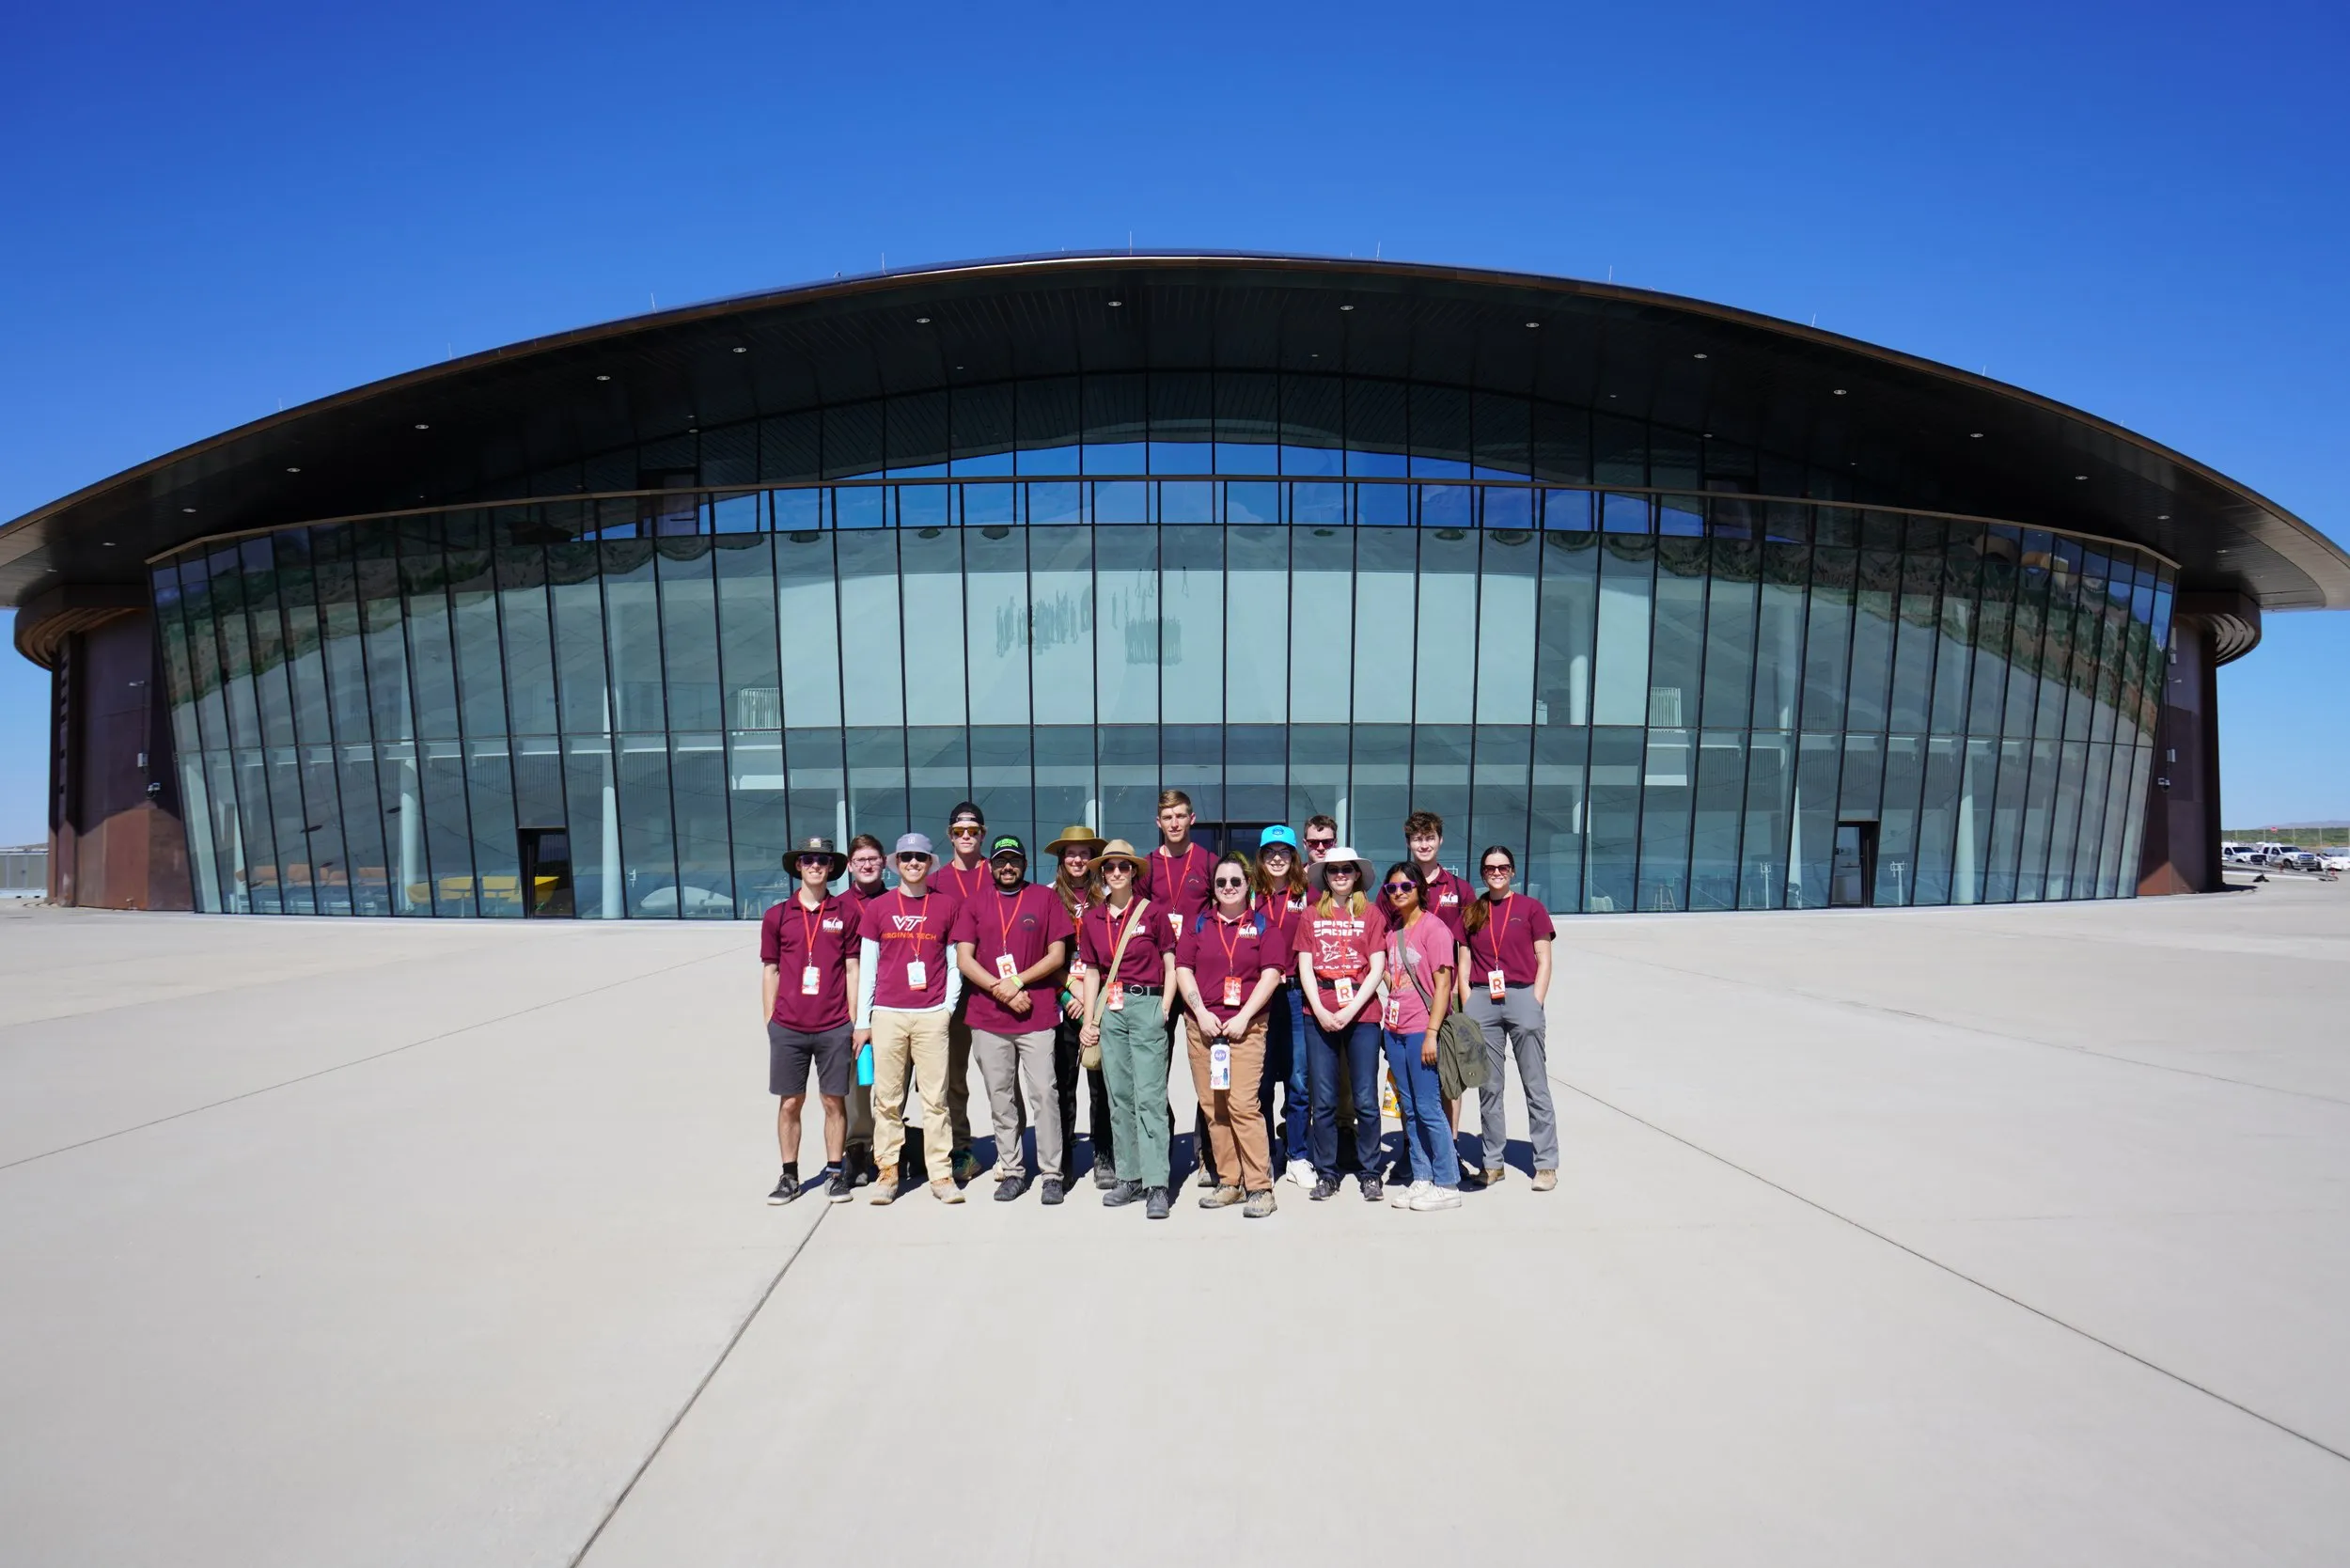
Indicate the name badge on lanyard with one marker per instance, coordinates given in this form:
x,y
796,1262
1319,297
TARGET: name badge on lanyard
x,y
917,974
1391,1012
1175,921
1497,983
1005,967
1231,991
808,983
1118,996
1345,987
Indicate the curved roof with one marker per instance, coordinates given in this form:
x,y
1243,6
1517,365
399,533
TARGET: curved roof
x,y
1903,427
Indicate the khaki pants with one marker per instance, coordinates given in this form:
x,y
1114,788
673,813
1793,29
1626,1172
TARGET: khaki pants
x,y
1235,1116
1012,1063
919,1040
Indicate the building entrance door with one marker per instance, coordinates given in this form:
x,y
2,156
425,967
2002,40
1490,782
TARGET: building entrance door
x,y
1851,882
547,873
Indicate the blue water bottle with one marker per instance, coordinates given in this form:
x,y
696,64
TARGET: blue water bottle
x,y
865,1065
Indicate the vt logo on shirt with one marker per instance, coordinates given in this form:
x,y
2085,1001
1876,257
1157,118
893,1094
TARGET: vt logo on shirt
x,y
908,922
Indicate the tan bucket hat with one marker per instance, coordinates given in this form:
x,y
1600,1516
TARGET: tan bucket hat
x,y
1118,849
1076,836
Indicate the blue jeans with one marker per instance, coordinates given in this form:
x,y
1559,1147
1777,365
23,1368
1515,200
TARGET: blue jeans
x,y
1420,1095
1361,1040
1285,1060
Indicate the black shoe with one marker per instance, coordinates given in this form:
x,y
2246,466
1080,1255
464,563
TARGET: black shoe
x,y
1105,1174
1121,1195
842,1187
1010,1188
1372,1190
788,1187
860,1164
1326,1189
1050,1194
1159,1204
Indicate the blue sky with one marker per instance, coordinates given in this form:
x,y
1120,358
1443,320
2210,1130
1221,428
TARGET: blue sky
x,y
2139,209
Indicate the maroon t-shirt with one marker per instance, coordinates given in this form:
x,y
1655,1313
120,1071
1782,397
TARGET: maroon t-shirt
x,y
947,877
1506,943
795,938
911,930
1021,923
1215,949
1098,933
865,895
1447,898
1341,944
1177,886
1284,909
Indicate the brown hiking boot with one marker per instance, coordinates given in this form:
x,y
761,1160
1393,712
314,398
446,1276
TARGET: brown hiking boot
x,y
1545,1180
1493,1178
944,1190
1222,1198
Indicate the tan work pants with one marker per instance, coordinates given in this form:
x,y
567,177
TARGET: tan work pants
x,y
1235,1116
916,1040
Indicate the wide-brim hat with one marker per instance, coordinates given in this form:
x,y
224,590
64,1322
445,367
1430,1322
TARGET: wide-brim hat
x,y
817,846
1339,855
1076,836
1117,849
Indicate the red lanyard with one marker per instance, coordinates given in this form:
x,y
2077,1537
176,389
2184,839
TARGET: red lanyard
x,y
1501,925
1003,923
912,937
1231,947
1111,923
807,927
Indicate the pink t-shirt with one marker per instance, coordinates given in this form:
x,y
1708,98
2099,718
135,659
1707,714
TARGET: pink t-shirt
x,y
1021,924
911,930
1341,944
1426,944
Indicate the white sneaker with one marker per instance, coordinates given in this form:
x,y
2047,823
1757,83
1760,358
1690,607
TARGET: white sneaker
x,y
1426,1196
1300,1171
1408,1198
1470,1172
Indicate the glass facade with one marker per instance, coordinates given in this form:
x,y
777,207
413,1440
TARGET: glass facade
x,y
1562,633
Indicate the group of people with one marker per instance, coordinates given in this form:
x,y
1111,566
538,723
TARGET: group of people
x,y
1287,971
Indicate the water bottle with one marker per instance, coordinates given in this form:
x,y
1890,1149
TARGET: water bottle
x,y
865,1065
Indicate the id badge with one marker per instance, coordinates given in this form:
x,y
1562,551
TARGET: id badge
x,y
1005,967
1496,983
917,974
1077,969
1175,922
808,983
1391,1014
1231,991
1345,984
1118,996
1219,1066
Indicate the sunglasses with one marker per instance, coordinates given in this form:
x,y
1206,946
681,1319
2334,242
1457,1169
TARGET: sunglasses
x,y
1320,843
1396,889
1346,871
913,859
1499,866
806,860
963,832
1230,882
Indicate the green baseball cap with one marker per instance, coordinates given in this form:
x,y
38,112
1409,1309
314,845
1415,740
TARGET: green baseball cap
x,y
1006,843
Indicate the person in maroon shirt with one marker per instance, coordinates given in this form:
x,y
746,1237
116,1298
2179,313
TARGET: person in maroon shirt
x,y
1012,942
1505,980
1073,852
808,973
1229,963
966,875
1281,892
907,988
1126,1021
1175,880
1449,898
865,883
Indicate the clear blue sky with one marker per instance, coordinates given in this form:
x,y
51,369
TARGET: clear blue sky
x,y
2140,209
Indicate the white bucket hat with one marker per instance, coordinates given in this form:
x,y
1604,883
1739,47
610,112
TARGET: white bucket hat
x,y
1339,855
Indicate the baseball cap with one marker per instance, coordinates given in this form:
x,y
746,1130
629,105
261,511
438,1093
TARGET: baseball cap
x,y
1006,843
917,843
1277,834
966,809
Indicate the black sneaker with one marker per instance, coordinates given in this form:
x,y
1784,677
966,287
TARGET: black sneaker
x,y
788,1187
1326,1189
1121,1195
842,1187
1159,1204
1010,1188
860,1164
1372,1190
1050,1194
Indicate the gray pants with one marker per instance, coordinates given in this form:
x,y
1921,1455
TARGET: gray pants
x,y
1014,1065
1515,1022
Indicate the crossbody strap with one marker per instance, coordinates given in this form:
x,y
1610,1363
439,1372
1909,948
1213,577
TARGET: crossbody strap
x,y
1133,917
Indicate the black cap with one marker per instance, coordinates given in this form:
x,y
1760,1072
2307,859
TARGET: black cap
x,y
1006,843
966,809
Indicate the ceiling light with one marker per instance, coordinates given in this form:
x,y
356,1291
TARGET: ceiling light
x,y
107,543
922,321
1974,435
1533,323
1346,307
294,470
1115,304
2162,517
740,349
424,427
1701,356
1839,391
187,508
2080,476
604,378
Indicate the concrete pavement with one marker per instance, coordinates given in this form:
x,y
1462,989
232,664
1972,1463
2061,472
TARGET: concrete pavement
x,y
1934,1236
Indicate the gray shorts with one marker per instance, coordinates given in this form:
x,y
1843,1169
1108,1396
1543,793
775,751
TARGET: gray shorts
x,y
790,1052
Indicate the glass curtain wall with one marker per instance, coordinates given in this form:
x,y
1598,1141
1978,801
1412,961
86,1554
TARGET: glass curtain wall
x,y
1283,595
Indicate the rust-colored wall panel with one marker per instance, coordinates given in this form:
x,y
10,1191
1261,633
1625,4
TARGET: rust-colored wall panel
x,y
113,844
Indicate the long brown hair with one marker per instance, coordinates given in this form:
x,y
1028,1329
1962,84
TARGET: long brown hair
x,y
1087,890
1481,908
1294,883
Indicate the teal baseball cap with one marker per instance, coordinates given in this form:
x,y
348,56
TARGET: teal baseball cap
x,y
1278,834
